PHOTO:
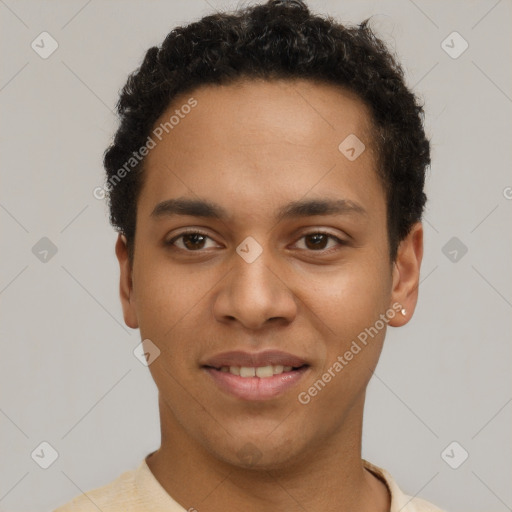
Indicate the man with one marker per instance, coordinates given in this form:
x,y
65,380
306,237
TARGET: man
x,y
266,181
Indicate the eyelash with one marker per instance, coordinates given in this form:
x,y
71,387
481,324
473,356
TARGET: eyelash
x,y
199,232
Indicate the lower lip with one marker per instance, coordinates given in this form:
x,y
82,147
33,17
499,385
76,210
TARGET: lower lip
x,y
256,388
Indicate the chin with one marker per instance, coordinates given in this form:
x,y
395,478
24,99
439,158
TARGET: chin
x,y
257,453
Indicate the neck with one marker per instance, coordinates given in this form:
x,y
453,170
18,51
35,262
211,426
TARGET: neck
x,y
328,476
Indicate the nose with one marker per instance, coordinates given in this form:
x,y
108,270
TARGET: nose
x,y
255,294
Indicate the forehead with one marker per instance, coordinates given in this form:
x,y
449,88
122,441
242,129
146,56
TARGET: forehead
x,y
256,111
262,141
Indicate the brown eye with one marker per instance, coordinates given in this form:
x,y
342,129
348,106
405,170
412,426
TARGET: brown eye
x,y
318,241
190,241
193,241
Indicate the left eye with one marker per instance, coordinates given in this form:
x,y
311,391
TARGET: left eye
x,y
195,241
317,241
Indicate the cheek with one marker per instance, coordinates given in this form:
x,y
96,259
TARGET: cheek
x,y
352,296
350,301
165,295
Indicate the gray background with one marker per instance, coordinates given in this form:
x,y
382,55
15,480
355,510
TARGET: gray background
x,y
67,372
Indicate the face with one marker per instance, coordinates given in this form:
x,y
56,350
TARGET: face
x,y
261,245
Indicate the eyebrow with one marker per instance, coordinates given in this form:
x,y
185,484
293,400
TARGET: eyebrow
x,y
302,208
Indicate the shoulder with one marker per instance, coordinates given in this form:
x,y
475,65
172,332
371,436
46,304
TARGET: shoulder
x,y
121,492
400,502
421,505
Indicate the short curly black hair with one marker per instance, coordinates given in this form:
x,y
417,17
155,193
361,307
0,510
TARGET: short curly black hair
x,y
275,40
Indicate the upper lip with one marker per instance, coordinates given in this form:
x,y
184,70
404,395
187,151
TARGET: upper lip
x,y
265,358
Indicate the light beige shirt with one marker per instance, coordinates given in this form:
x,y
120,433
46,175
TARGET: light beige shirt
x,y
139,491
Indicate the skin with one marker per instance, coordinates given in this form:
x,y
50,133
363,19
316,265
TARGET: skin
x,y
252,147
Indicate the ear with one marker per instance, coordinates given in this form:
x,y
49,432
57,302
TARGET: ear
x,y
406,275
125,284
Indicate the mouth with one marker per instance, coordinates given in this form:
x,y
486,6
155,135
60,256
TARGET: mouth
x,y
261,372
265,361
255,377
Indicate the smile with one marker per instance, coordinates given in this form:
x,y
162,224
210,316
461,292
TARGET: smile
x,y
256,383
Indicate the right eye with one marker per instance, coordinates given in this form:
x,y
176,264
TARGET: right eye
x,y
190,241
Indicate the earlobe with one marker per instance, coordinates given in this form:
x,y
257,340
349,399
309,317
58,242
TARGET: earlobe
x,y
125,283
406,274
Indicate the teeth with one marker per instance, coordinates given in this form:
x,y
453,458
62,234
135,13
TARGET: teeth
x,y
262,371
246,371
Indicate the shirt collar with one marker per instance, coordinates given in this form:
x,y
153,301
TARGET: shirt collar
x,y
150,490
